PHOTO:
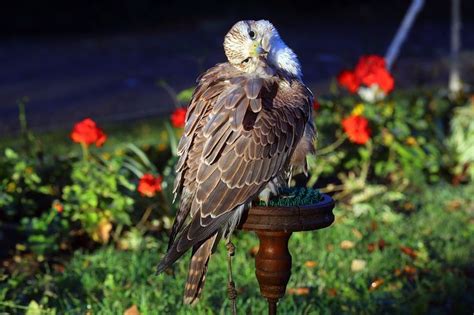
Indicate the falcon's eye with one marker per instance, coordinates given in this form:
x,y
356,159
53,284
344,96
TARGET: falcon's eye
x,y
252,34
246,60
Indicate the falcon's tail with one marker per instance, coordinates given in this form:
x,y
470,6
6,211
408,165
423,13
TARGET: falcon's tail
x,y
197,270
182,242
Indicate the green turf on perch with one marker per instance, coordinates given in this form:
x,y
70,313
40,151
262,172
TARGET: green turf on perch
x,y
293,197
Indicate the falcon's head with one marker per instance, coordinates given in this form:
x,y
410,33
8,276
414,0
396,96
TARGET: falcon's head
x,y
248,43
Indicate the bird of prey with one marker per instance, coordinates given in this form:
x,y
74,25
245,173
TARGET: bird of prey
x,y
248,125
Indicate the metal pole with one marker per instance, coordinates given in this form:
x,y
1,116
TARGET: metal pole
x,y
455,83
403,30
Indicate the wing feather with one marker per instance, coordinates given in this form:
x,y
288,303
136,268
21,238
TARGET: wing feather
x,y
239,114
242,134
252,87
256,105
208,185
234,98
215,122
214,144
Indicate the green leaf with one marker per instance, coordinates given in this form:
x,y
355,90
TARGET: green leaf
x,y
185,96
10,154
34,309
141,155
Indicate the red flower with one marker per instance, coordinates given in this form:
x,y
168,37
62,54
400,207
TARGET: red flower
x,y
178,117
368,61
58,206
87,132
316,105
149,185
357,129
348,80
371,69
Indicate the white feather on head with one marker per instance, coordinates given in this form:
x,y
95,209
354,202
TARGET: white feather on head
x,y
238,46
279,54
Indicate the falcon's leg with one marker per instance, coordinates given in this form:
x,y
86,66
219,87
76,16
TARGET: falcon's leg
x,y
231,292
290,176
270,190
265,195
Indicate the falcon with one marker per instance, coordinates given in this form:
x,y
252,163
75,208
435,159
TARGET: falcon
x,y
248,127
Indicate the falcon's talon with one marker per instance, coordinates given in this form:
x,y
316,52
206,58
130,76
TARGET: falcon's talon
x,y
230,249
265,195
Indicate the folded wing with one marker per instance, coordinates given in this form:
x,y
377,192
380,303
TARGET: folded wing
x,y
240,133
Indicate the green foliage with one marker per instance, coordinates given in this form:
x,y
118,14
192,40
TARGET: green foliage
x,y
461,140
184,97
99,194
45,232
384,180
435,279
55,200
20,184
25,198
139,164
406,148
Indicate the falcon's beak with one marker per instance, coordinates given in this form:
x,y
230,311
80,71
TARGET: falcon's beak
x,y
257,50
261,51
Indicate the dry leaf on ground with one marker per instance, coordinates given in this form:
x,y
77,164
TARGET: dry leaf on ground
x,y
346,244
132,310
358,265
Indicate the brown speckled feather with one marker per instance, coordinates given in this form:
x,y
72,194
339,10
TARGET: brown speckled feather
x,y
241,131
197,270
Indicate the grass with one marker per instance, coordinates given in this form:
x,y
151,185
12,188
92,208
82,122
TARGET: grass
x,y
418,258
294,196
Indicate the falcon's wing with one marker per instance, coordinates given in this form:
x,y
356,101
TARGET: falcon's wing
x,y
240,133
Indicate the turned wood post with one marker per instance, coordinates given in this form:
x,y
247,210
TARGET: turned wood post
x,y
273,266
274,226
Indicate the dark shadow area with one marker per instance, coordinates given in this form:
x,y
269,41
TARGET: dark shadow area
x,y
58,17
103,60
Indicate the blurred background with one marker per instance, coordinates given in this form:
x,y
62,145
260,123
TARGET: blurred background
x,y
93,98
104,59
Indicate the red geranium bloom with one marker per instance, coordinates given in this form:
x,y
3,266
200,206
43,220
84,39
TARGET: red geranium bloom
x,y
149,185
369,61
348,80
371,69
383,79
178,117
88,132
58,206
357,129
316,105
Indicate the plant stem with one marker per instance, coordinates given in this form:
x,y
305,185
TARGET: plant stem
x,y
12,305
332,146
146,215
171,92
172,139
85,151
331,188
366,166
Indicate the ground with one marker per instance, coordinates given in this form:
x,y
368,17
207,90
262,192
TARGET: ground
x,y
413,259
